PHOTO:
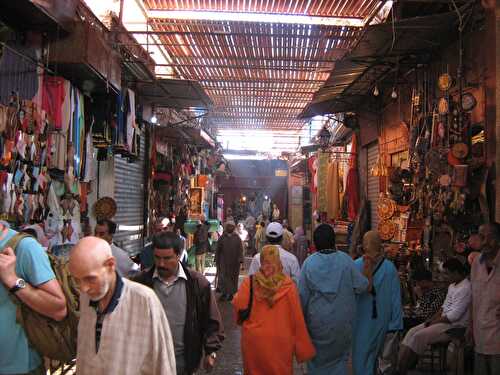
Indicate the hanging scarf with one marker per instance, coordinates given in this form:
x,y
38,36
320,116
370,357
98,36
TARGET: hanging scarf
x,y
269,286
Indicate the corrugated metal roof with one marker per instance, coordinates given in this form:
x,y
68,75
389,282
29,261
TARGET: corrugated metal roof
x,y
258,75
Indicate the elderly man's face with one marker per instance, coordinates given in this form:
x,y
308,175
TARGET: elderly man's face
x,y
371,245
94,279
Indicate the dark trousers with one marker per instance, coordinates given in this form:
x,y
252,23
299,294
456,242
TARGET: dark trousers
x,y
486,364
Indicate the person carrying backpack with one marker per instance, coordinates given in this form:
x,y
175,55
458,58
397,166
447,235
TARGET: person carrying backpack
x,y
26,276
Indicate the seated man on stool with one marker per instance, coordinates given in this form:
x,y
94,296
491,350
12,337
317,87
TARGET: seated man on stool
x,y
453,313
429,301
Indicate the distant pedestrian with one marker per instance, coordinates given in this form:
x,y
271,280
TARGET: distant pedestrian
x,y
260,236
229,257
184,259
288,239
274,236
379,311
329,282
275,330
201,244
122,329
276,213
300,245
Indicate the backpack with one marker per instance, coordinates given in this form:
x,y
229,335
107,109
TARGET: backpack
x,y
52,339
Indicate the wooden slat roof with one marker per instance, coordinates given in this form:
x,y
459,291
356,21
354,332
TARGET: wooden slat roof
x,y
258,75
325,8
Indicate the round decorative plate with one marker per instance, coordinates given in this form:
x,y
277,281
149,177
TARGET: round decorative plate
x,y
452,160
445,81
445,180
105,208
460,150
387,230
386,208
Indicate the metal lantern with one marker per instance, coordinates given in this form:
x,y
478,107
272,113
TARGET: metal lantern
x,y
324,138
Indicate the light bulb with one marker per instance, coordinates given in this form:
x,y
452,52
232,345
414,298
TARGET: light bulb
x,y
394,94
154,119
375,91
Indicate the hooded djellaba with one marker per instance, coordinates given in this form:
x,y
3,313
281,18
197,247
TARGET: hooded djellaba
x,y
229,256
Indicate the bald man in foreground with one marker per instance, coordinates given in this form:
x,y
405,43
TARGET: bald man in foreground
x,y
379,311
123,329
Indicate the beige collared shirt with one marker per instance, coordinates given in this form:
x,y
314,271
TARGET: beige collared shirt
x,y
486,306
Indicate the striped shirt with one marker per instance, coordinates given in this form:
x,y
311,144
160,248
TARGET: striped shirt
x,y
115,298
134,339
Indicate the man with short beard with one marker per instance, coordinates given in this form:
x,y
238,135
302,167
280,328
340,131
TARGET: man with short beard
x,y
485,279
189,303
122,329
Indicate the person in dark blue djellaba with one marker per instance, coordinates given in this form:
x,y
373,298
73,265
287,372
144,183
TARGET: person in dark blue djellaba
x,y
328,285
379,311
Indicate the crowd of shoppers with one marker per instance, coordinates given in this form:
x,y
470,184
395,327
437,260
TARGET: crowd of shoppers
x,y
322,312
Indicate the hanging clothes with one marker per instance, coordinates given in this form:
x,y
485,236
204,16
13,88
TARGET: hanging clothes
x,y
53,93
352,189
66,107
118,138
130,120
333,197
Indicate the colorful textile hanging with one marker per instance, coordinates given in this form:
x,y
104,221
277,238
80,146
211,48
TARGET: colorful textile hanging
x,y
322,181
352,189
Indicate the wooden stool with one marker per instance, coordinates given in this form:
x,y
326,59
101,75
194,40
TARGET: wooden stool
x,y
441,350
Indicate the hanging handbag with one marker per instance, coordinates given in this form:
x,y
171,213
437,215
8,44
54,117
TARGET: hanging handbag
x,y
244,314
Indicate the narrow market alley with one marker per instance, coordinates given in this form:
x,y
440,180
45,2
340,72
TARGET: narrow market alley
x,y
288,187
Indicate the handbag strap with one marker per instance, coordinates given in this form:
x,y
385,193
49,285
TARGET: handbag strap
x,y
250,302
374,292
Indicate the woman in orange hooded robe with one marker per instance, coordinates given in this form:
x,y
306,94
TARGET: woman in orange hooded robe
x,y
275,332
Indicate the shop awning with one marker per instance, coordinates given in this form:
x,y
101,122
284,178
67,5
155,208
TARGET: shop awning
x,y
174,93
380,50
48,16
192,136
200,137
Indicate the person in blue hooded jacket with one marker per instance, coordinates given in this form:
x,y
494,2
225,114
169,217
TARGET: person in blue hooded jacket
x,y
328,285
379,311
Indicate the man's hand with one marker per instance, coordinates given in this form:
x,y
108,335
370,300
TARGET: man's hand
x,y
8,267
208,363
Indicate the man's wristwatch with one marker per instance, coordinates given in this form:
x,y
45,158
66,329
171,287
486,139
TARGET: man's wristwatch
x,y
20,284
213,355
